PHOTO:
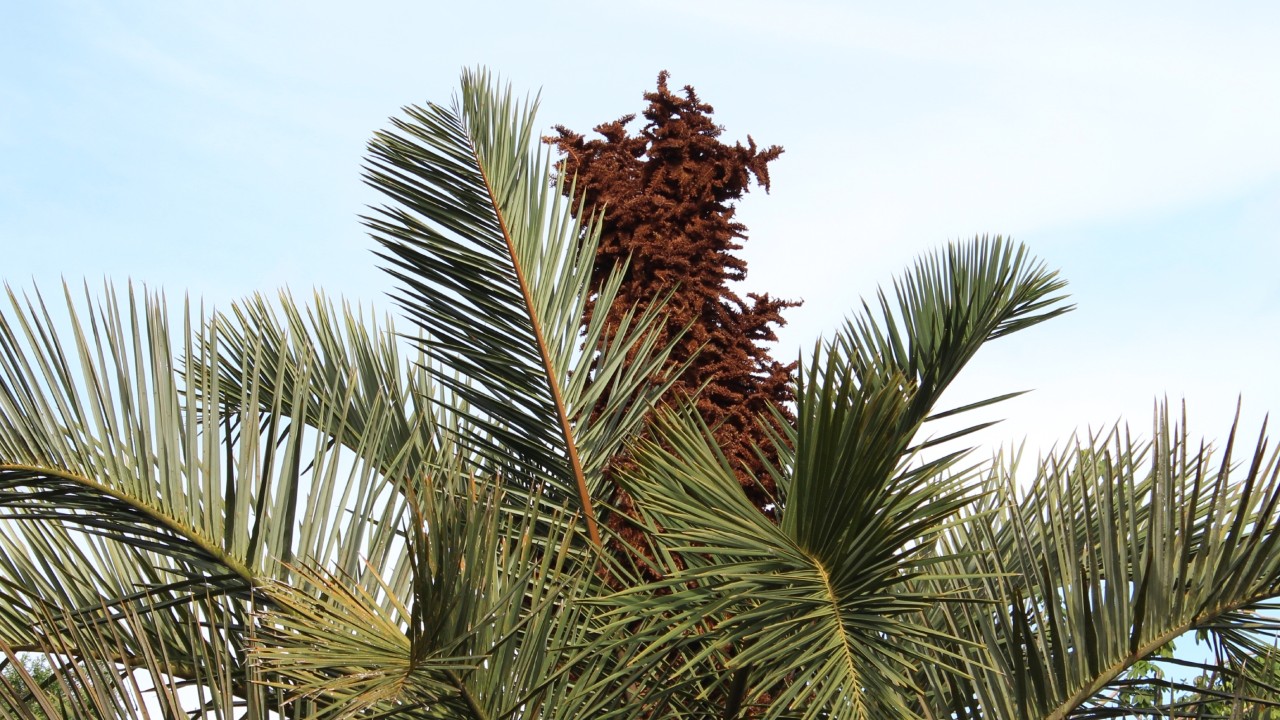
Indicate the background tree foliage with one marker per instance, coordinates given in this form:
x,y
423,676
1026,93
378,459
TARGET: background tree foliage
x,y
15,677
288,509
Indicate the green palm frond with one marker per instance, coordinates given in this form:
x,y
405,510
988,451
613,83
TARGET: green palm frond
x,y
496,624
121,491
944,311
1117,548
347,361
819,609
115,668
496,270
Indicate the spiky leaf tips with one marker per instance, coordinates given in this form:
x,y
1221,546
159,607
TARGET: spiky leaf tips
x,y
669,194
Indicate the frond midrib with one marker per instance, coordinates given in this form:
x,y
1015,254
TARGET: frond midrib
x,y
846,650
1063,710
544,353
213,551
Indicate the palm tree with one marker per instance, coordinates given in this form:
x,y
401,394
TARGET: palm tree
x,y
290,510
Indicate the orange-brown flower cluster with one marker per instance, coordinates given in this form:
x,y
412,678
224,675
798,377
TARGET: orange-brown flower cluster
x,y
669,194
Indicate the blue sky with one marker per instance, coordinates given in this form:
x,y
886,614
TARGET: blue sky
x,y
214,148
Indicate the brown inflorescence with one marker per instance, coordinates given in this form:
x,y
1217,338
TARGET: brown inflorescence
x,y
668,196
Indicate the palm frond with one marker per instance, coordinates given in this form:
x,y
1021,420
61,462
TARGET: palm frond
x,y
820,610
346,359
496,270
122,491
115,668
496,622
1117,548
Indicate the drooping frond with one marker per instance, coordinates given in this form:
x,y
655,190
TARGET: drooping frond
x,y
117,669
122,491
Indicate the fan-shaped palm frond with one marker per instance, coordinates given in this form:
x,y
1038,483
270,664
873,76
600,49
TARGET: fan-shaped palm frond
x,y
818,608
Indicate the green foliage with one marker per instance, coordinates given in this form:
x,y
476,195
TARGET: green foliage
x,y
291,510
21,683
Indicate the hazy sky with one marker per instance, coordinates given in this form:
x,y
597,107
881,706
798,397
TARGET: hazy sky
x,y
214,148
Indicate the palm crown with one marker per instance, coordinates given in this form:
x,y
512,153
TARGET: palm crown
x,y
287,510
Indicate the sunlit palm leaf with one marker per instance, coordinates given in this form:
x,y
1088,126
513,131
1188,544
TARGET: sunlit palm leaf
x,y
1117,548
496,270
121,491
820,609
496,625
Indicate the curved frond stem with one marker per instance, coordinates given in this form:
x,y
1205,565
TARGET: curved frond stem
x,y
163,520
1114,671
544,353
